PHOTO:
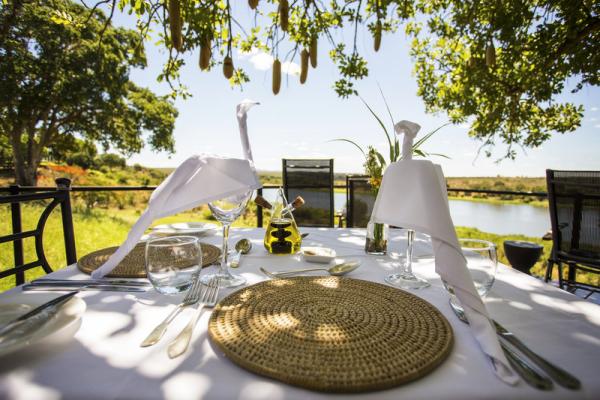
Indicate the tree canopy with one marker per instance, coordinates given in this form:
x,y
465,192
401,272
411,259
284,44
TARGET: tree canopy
x,y
497,64
64,74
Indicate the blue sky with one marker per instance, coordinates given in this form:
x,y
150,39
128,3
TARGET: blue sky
x,y
302,119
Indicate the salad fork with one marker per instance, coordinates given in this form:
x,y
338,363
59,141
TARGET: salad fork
x,y
192,297
208,299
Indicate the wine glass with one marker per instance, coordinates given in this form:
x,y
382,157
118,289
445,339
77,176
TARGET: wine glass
x,y
405,278
226,211
482,263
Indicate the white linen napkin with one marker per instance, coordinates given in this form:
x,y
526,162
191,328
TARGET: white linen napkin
x,y
198,180
413,195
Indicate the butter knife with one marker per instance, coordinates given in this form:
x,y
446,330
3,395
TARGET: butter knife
x,y
59,287
76,282
36,317
559,375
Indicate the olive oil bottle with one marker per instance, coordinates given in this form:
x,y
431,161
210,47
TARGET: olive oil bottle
x,y
282,235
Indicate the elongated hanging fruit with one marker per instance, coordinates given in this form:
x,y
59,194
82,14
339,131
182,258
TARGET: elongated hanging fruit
x,y
303,65
228,67
313,52
175,24
253,4
205,54
276,76
377,36
490,55
284,10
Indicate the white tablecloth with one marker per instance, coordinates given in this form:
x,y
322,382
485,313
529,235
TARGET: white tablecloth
x,y
104,360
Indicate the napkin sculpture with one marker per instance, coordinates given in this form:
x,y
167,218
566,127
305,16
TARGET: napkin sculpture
x,y
198,180
413,195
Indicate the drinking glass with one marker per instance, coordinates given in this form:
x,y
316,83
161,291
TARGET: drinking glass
x,y
226,211
482,263
405,278
173,263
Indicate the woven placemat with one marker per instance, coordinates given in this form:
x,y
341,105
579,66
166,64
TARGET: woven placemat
x,y
331,334
132,265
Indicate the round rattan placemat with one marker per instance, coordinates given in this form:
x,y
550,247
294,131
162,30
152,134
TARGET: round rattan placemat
x,y
132,265
331,334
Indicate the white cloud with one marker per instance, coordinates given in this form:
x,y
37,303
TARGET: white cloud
x,y
263,62
290,68
597,126
594,108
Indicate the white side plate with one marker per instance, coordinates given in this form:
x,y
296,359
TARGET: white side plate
x,y
318,254
61,327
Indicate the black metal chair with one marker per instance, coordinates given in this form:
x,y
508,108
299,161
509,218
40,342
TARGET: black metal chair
x,y
360,199
313,180
574,200
18,195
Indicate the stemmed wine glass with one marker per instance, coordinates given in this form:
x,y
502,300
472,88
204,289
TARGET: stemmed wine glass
x,y
405,278
226,211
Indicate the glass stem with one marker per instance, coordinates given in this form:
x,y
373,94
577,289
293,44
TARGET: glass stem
x,y
410,236
225,250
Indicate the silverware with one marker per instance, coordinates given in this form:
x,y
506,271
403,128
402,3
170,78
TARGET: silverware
x,y
209,298
36,317
243,246
191,297
83,282
559,375
336,270
523,368
58,287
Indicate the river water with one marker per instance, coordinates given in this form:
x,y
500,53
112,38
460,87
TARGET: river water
x,y
494,218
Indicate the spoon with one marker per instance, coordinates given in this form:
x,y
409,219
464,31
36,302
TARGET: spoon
x,y
336,270
243,246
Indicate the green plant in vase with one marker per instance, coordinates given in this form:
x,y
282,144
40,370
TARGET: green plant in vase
x,y
375,164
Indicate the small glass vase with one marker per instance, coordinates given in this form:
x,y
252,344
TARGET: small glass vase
x,y
377,238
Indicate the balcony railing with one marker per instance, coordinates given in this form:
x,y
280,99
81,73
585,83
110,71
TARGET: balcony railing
x,y
16,189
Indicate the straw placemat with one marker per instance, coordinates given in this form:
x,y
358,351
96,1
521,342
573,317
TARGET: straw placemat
x,y
132,265
331,334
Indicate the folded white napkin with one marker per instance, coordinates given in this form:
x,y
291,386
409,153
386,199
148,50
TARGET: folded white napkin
x,y
198,180
413,195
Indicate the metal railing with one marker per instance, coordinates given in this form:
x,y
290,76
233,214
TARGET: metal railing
x,y
13,189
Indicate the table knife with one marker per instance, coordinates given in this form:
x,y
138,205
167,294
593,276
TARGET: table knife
x,y
75,282
559,375
59,287
36,317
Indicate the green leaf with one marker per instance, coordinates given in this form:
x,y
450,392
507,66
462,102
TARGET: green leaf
x,y
381,159
386,105
387,135
351,142
422,140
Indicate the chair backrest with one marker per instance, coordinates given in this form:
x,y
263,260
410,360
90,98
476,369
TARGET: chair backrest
x,y
59,196
313,180
360,199
574,201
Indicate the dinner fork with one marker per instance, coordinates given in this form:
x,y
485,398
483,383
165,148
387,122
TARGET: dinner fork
x,y
192,297
208,299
